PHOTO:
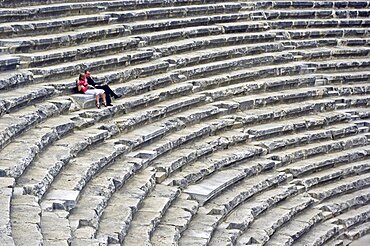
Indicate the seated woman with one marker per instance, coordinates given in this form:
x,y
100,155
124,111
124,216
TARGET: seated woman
x,y
85,88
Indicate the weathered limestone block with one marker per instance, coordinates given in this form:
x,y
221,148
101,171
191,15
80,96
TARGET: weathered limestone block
x,y
8,62
83,51
346,201
205,190
341,171
345,185
301,223
6,194
175,221
13,124
353,216
26,216
62,199
118,215
309,165
148,217
358,231
233,197
52,220
60,40
200,229
19,97
320,233
39,27
94,165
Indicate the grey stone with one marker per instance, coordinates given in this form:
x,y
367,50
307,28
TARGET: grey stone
x,y
26,214
346,201
320,234
353,216
63,199
347,184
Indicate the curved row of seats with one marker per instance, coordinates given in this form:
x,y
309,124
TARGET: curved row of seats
x,y
241,123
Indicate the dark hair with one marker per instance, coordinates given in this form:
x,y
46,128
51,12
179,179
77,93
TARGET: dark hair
x,y
86,71
81,75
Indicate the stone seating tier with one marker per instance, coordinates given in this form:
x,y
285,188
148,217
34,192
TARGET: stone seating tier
x,y
241,123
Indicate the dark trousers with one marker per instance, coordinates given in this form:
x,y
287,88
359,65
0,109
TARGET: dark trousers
x,y
108,92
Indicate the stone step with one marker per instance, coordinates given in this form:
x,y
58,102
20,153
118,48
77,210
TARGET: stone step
x,y
244,62
15,123
32,143
311,150
231,198
123,205
340,187
61,24
9,62
308,4
334,131
265,226
71,68
287,110
319,234
50,163
183,133
199,229
220,180
311,13
256,205
82,51
13,99
318,23
132,72
301,168
75,177
26,216
201,37
157,130
182,139
148,216
175,221
11,79
334,173
166,24
159,110
315,32
296,227
52,220
27,9
353,217
204,223
175,12
64,39
257,73
6,194
281,36
186,162
97,195
264,133
359,231
345,202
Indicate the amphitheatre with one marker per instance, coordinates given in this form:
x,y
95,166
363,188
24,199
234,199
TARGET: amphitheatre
x,y
240,123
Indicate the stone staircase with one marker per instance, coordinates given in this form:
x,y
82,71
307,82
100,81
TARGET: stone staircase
x,y
240,122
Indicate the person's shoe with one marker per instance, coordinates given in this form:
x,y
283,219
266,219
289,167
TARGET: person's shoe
x,y
117,96
97,105
110,104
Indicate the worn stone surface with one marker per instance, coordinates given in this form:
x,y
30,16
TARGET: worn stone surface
x,y
26,216
254,109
